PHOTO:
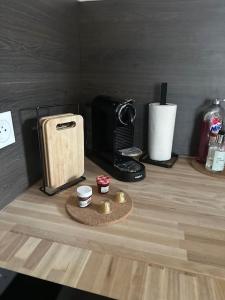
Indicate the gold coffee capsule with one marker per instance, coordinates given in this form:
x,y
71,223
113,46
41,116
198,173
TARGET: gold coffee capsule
x,y
120,197
105,207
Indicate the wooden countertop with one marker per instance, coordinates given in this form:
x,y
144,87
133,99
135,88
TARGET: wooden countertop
x,y
171,247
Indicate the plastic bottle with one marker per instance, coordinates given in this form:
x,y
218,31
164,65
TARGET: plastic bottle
x,y
212,122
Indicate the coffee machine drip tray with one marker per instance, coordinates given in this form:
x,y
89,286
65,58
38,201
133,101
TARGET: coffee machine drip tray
x,y
127,169
128,166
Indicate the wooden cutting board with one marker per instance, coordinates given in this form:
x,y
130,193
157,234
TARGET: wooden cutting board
x,y
64,140
42,122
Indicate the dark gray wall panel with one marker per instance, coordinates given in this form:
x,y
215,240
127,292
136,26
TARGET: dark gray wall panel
x,y
129,47
39,59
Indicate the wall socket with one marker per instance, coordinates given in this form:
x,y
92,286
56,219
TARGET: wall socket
x,y
7,136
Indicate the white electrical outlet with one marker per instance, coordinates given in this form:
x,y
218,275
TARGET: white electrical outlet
x,y
7,136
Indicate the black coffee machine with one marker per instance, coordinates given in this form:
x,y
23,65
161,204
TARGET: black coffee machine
x,y
112,138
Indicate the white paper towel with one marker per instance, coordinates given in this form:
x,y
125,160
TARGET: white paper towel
x,y
161,128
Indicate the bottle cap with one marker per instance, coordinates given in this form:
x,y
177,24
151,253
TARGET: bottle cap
x,y
102,179
216,101
84,191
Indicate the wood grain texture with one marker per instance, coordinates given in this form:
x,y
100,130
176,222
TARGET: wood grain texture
x,y
39,58
129,47
64,149
171,247
43,143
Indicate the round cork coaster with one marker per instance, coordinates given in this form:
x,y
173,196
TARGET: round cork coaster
x,y
201,168
91,214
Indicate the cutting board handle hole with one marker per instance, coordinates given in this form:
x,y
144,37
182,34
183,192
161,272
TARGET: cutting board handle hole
x,y
66,125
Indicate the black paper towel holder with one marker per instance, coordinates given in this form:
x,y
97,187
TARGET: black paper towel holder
x,y
164,163
145,157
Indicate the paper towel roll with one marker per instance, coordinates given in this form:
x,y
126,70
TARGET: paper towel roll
x,y
161,128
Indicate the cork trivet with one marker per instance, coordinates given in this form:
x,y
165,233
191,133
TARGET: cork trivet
x,y
90,215
201,168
